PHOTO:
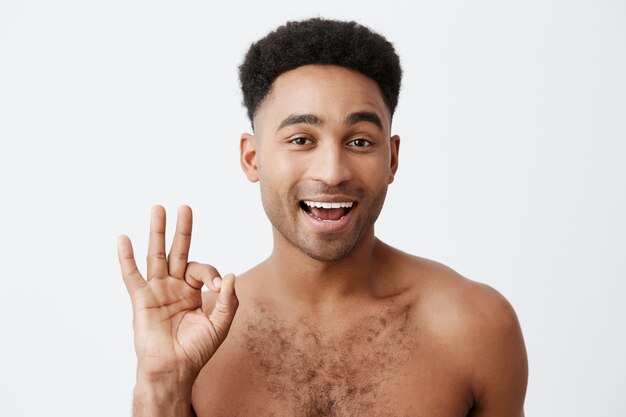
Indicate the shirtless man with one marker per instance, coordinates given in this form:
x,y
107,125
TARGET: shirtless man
x,y
335,322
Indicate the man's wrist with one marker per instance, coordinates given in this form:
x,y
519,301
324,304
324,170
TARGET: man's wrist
x,y
162,395
146,375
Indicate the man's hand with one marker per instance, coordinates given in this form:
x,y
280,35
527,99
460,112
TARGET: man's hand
x,y
174,338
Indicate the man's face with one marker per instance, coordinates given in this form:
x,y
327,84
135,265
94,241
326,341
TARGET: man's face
x,y
324,158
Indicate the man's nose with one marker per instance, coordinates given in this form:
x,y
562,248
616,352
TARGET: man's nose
x,y
330,165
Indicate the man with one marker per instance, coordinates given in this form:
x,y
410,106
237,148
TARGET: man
x,y
334,322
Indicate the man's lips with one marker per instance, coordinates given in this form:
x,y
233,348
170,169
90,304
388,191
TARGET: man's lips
x,y
326,210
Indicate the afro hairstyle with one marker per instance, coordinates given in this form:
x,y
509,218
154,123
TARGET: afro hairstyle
x,y
323,42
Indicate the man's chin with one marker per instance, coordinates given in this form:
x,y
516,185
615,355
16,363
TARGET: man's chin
x,y
332,250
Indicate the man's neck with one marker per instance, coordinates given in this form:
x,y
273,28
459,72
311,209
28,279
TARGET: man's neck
x,y
323,286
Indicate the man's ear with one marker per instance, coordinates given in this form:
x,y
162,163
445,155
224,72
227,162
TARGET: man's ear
x,y
248,156
394,144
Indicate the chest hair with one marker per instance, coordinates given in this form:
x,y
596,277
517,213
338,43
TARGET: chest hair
x,y
311,372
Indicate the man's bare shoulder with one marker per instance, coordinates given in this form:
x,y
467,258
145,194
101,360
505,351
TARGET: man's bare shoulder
x,y
448,298
479,330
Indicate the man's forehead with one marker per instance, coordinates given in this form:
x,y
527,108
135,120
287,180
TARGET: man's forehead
x,y
323,92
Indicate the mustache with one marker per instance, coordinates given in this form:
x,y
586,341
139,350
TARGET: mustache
x,y
344,189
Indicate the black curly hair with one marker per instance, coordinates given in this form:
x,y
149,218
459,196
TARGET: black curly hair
x,y
324,42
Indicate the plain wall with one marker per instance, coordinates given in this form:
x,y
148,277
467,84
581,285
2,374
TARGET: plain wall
x,y
512,119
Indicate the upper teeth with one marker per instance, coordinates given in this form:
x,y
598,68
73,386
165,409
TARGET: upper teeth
x,y
321,204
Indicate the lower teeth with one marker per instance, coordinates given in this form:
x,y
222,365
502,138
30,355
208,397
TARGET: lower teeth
x,y
323,220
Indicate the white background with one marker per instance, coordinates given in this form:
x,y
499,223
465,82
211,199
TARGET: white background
x,y
512,118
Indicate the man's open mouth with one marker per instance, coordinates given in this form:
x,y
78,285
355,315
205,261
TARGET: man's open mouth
x,y
327,211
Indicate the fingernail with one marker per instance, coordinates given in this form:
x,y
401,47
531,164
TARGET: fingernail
x,y
217,282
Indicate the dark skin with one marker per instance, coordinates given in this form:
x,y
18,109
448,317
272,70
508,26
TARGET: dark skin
x,y
334,322
448,347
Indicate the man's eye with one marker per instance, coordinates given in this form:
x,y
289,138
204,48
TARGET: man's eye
x,y
360,143
301,141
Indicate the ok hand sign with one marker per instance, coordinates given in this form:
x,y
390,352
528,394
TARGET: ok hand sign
x,y
173,336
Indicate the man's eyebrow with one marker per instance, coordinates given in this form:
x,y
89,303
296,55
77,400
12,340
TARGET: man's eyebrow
x,y
295,119
364,116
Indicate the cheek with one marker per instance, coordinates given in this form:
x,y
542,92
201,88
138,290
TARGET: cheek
x,y
279,167
374,172
278,176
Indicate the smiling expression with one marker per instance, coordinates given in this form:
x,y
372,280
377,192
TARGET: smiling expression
x,y
324,157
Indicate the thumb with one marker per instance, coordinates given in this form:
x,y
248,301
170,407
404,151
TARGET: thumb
x,y
225,307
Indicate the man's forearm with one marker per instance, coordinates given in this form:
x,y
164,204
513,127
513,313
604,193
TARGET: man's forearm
x,y
162,398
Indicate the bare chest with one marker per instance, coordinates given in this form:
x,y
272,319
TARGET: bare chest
x,y
369,368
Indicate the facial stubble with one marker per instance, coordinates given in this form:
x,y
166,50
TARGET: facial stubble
x,y
324,247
